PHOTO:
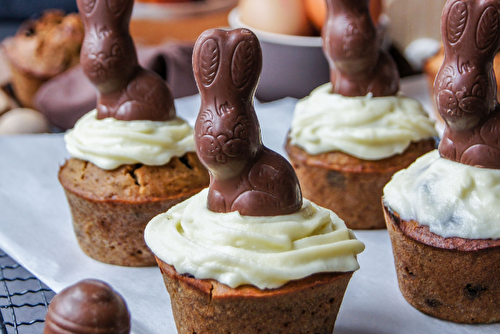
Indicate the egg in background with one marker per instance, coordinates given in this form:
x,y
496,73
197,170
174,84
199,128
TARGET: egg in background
x,y
277,16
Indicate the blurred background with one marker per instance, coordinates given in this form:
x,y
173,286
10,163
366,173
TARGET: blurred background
x,y
38,66
14,12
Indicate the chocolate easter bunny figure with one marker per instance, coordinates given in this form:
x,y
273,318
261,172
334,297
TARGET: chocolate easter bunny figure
x,y
89,306
358,65
245,176
465,88
126,91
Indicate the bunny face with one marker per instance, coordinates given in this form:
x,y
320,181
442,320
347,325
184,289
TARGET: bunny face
x,y
226,140
463,100
227,66
465,87
103,56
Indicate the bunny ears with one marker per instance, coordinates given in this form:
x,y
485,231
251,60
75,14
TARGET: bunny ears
x,y
465,89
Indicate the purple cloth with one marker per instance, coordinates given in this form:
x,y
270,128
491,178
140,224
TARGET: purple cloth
x,y
68,96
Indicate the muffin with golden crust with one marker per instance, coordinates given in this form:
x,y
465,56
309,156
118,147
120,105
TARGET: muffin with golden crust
x,y
442,212
349,136
132,157
351,185
248,254
110,208
42,49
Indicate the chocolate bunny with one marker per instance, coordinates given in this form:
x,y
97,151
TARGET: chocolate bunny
x,y
245,175
465,88
358,65
126,91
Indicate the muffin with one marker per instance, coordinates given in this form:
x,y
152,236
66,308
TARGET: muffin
x,y
349,136
41,49
89,306
248,254
441,212
132,157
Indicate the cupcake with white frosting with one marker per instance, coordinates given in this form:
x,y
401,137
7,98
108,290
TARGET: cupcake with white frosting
x,y
349,136
248,254
442,212
132,157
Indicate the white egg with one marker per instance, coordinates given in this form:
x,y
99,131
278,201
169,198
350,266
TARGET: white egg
x,y
23,120
277,16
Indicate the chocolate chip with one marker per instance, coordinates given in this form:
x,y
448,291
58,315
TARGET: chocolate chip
x,y
474,291
433,302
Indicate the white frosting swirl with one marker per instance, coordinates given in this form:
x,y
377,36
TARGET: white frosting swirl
x,y
366,127
109,143
453,199
266,252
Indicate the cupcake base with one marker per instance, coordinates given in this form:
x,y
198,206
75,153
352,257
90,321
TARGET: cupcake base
x,y
453,279
309,305
110,209
351,187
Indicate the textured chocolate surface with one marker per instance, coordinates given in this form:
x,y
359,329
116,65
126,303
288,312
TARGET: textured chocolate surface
x,y
358,65
89,306
126,91
245,175
465,88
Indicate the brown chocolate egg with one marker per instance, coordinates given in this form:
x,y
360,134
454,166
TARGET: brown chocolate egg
x,y
89,306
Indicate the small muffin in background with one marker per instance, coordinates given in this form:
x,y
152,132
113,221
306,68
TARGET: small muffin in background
x,y
249,254
349,136
131,157
41,49
89,306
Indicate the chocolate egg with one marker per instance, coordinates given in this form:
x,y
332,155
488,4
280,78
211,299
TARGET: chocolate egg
x,y
89,306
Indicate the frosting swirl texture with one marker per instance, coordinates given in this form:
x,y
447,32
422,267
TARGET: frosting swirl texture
x,y
266,252
453,199
366,127
109,143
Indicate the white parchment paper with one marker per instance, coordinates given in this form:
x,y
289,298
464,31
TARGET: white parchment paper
x,y
35,229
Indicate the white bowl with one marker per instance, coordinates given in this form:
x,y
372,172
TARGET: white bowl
x,y
291,65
